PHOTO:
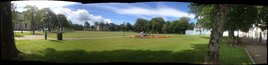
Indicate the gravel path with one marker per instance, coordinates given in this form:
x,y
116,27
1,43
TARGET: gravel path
x,y
30,37
258,52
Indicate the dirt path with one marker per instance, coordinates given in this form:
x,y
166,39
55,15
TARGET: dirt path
x,y
258,52
30,37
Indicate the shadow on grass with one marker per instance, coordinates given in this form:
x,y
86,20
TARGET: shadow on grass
x,y
38,34
59,41
204,37
141,56
228,55
18,35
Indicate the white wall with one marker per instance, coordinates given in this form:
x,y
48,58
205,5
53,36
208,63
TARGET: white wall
x,y
194,32
252,33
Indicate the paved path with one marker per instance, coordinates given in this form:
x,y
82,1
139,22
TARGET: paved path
x,y
258,52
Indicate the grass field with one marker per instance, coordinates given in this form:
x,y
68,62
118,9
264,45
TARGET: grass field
x,y
19,34
178,48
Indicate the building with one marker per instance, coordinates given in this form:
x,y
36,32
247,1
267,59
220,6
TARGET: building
x,y
198,29
20,23
102,28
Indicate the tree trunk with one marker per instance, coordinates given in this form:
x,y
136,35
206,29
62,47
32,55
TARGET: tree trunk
x,y
231,36
216,34
48,27
260,38
8,48
33,27
183,31
32,23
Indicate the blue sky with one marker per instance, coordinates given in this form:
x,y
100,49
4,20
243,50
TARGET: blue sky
x,y
116,12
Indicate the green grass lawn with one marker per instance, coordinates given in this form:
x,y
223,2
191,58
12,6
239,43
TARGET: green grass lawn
x,y
178,48
90,34
19,34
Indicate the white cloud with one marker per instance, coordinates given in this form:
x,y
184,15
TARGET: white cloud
x,y
41,4
80,16
159,11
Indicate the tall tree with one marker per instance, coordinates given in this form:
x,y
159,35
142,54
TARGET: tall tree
x,y
96,23
122,27
183,24
68,25
167,27
129,27
102,24
141,25
8,48
240,17
156,24
217,15
191,26
30,14
49,18
87,26
262,20
175,26
62,21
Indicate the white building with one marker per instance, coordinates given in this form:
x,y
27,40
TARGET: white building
x,y
198,29
252,33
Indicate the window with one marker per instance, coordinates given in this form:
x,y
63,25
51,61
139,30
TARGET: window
x,y
25,26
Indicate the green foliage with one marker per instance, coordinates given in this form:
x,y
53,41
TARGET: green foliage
x,y
122,27
78,27
45,18
167,28
191,26
262,17
156,24
240,17
141,25
129,27
183,23
204,14
30,13
87,26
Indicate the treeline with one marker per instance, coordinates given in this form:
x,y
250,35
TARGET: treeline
x,y
41,19
158,25
155,25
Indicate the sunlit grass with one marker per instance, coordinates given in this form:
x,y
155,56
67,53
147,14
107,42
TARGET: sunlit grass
x,y
19,34
178,48
91,34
